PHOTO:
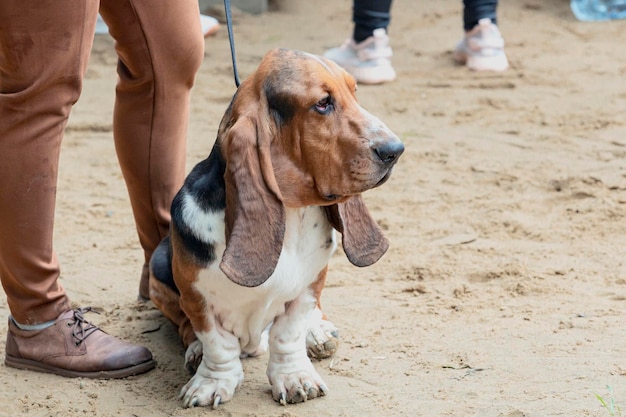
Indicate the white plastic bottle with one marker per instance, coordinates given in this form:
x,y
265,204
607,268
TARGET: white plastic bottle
x,y
598,10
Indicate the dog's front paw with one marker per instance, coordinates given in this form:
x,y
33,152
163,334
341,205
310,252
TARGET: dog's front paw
x,y
322,339
296,387
203,391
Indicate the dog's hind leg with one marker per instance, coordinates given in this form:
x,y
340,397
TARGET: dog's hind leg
x,y
165,295
322,338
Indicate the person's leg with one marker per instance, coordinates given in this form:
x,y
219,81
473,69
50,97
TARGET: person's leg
x,y
43,56
44,48
160,48
369,15
475,10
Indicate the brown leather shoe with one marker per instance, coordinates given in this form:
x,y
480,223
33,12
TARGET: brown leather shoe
x,y
73,347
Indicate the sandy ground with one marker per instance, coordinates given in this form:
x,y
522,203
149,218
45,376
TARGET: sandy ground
x,y
503,292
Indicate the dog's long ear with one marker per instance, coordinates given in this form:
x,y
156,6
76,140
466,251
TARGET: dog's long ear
x,y
363,241
255,216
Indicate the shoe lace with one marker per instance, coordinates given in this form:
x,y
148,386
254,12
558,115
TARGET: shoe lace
x,y
81,328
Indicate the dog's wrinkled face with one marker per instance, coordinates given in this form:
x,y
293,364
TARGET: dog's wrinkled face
x,y
332,148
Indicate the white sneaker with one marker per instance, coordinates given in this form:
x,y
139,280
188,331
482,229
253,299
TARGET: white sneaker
x,y
101,27
209,24
368,61
482,48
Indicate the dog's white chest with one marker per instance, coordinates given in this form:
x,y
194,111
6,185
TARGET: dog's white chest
x,y
308,244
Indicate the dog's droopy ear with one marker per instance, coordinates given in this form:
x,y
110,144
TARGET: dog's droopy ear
x,y
255,216
363,241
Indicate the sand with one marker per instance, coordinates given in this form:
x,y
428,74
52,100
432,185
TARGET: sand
x,y
503,292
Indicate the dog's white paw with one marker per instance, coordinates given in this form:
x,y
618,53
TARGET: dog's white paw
x,y
322,339
193,356
295,387
206,391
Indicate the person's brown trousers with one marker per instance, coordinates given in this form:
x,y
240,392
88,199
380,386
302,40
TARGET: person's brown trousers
x,y
44,48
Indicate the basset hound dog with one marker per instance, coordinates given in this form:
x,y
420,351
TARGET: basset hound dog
x,y
253,227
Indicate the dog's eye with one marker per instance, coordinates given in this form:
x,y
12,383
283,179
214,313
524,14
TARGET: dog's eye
x,y
324,106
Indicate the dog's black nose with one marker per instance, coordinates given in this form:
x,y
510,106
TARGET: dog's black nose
x,y
389,151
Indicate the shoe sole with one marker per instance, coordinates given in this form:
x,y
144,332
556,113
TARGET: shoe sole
x,y
482,63
379,76
20,363
375,81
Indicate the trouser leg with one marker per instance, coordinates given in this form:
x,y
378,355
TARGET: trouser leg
x,y
474,10
160,48
44,47
369,15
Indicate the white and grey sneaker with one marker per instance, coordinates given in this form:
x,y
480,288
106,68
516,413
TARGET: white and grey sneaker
x,y
368,61
482,48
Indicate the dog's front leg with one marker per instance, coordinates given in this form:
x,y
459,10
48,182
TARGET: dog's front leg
x,y
220,371
290,371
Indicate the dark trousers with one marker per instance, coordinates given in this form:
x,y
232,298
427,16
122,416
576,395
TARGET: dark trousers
x,y
474,10
368,15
